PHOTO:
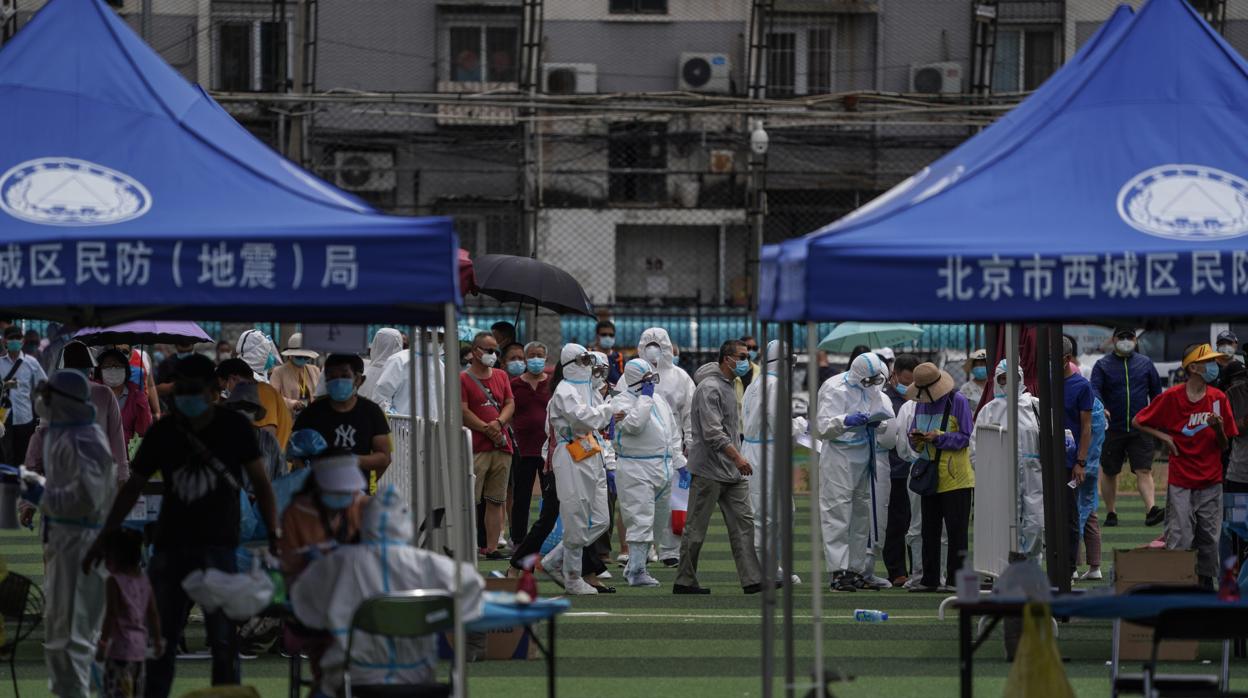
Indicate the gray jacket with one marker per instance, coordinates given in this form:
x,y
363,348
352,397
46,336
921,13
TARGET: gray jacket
x,y
716,424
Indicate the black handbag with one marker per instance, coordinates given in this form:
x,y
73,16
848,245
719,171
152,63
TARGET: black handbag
x,y
924,478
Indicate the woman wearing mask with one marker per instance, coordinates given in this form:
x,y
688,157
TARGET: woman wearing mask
x,y
136,413
577,413
296,379
530,390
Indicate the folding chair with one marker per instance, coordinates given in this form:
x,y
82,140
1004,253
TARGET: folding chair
x,y
22,603
401,614
1225,624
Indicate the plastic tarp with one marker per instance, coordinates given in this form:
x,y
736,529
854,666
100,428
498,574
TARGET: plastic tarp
x,y
128,192
1119,189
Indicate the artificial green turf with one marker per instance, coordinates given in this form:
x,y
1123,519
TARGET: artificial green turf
x,y
651,643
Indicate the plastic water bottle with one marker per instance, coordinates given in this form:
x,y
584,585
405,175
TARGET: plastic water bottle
x,y
866,615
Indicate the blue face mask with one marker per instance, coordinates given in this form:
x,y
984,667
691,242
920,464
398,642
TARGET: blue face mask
x,y
270,362
606,341
191,405
299,361
158,356
753,355
337,500
742,367
13,345
999,393
536,366
1211,372
184,354
980,373
340,389
901,389
515,368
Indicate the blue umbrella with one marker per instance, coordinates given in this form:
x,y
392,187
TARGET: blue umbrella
x,y
847,335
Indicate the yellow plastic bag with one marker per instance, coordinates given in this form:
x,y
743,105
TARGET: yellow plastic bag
x,y
1037,670
584,446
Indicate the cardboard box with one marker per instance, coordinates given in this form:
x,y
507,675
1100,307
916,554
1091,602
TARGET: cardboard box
x,y
507,643
1133,568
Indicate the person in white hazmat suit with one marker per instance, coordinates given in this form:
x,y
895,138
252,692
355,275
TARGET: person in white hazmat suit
x,y
675,386
329,591
393,393
851,408
1030,476
754,442
260,353
386,343
648,451
79,486
577,413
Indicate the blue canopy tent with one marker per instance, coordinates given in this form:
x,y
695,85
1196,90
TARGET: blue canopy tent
x,y
1119,189
129,193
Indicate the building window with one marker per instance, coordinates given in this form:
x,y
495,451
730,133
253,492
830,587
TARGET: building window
x,y
487,233
252,56
637,159
1024,59
638,7
802,61
482,52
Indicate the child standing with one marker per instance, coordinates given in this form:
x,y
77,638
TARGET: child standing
x,y
129,617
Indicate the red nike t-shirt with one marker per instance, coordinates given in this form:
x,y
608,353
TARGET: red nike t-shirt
x,y
1198,462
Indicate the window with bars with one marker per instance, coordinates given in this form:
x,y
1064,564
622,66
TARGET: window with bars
x,y
637,160
488,232
638,7
252,56
802,61
1024,58
482,52
820,51
781,64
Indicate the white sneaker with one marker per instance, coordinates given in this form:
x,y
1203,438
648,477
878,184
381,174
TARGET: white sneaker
x,y
502,540
1074,575
622,558
578,587
653,556
877,582
643,580
606,574
554,567
1093,574
794,579
913,582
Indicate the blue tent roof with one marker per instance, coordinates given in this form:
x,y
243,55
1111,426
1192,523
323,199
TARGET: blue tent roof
x,y
127,191
1119,189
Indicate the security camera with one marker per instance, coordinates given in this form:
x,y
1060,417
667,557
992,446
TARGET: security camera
x,y
759,139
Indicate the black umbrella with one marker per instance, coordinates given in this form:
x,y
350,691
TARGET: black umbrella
x,y
526,280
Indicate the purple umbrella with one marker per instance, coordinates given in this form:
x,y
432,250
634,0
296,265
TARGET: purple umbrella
x,y
144,332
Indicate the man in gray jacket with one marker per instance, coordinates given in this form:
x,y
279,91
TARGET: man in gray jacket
x,y
718,473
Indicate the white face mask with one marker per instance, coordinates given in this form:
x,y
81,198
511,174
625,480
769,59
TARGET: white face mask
x,y
652,355
1227,349
114,377
489,360
1125,346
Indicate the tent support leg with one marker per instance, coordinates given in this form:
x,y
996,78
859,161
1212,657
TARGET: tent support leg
x,y
454,442
816,534
767,554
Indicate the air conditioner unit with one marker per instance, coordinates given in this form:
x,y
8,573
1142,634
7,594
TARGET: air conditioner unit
x,y
936,78
704,72
363,170
569,78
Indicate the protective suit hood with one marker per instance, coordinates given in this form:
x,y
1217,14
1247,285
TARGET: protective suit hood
x,y
660,336
775,351
387,520
1001,370
69,399
634,371
866,366
255,348
573,371
386,343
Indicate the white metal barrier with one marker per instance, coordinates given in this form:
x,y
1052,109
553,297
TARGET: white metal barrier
x,y
407,433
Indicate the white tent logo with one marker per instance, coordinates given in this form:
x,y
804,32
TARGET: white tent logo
x,y
1186,202
70,192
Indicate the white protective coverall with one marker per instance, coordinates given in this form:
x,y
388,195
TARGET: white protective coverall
x,y
259,352
575,409
1030,477
849,475
676,388
329,591
393,394
648,452
754,443
386,343
81,482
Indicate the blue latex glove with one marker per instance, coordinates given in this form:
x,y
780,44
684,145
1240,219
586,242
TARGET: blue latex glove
x,y
306,443
611,481
856,419
683,483
647,389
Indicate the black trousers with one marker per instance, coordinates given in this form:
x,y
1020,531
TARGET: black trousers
x,y
952,510
532,543
1072,524
898,525
16,440
524,470
602,546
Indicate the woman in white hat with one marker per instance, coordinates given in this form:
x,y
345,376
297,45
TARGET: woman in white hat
x,y
297,378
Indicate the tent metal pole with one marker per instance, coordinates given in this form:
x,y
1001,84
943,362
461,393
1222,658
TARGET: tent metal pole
x,y
1062,501
767,554
784,494
426,412
454,441
816,537
419,512
1011,389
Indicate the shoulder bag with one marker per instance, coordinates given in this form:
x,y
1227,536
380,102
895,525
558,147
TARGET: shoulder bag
x,y
924,478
